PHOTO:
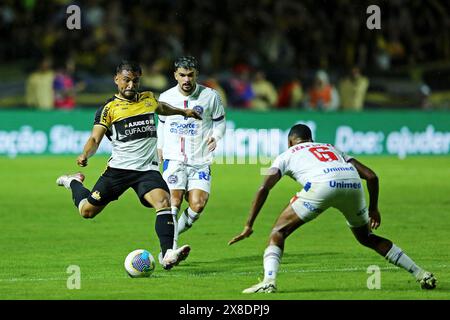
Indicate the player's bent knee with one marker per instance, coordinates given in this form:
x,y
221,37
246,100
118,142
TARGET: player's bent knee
x,y
197,206
88,214
175,202
88,211
162,203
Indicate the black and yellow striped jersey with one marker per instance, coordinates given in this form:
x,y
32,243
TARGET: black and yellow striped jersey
x,y
131,127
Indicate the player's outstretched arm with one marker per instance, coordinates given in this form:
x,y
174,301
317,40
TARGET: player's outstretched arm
x,y
91,145
166,109
373,188
270,180
218,132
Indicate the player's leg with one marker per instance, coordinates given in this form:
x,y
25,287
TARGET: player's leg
x,y
174,174
154,192
303,207
394,255
287,222
197,200
176,198
198,190
354,208
80,194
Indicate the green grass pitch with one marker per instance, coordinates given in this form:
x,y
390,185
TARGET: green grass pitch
x,y
42,235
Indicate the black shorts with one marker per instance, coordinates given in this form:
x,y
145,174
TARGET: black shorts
x,y
114,182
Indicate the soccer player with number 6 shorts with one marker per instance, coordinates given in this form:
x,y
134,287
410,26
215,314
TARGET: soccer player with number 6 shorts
x,y
330,178
186,145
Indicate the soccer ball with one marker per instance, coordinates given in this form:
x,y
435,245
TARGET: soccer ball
x,y
139,263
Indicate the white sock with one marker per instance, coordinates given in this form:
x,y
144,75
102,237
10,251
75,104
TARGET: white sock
x,y
187,218
397,257
175,224
272,259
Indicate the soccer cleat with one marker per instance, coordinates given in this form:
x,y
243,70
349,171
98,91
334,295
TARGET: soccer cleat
x,y
174,257
427,281
262,287
66,179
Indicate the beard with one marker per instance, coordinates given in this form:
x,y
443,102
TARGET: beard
x,y
129,94
188,88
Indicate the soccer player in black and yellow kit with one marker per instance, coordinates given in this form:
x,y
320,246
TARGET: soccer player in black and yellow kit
x,y
128,120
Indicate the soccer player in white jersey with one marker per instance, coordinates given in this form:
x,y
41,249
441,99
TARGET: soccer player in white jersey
x,y
330,178
186,145
128,120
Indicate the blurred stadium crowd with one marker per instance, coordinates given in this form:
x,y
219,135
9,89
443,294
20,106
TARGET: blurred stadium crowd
x,y
262,55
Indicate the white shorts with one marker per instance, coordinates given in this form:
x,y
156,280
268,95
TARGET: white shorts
x,y
345,195
181,176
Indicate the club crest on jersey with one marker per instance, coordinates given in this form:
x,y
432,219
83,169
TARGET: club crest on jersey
x,y
172,179
96,195
199,109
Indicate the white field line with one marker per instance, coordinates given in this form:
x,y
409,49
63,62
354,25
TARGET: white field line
x,y
213,274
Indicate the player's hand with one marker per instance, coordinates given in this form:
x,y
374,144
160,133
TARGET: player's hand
x,y
192,114
374,219
244,234
82,160
212,144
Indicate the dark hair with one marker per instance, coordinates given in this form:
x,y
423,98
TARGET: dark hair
x,y
301,131
186,62
129,66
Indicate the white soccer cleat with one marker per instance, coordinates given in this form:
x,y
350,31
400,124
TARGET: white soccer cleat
x,y
66,179
174,257
262,287
427,281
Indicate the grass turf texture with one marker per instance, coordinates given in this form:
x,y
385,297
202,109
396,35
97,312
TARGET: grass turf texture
x,y
42,235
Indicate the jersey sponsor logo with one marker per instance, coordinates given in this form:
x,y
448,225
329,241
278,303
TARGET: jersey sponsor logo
x,y
96,195
199,109
172,179
311,207
337,169
186,129
137,127
105,113
345,185
204,176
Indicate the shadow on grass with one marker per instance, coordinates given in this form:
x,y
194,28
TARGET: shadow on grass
x,y
251,264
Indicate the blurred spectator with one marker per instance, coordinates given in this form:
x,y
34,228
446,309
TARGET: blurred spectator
x,y
322,95
240,88
425,93
66,86
290,94
153,77
213,83
353,89
265,93
39,87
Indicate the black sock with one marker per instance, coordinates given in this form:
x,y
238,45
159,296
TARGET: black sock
x,y
165,230
79,192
